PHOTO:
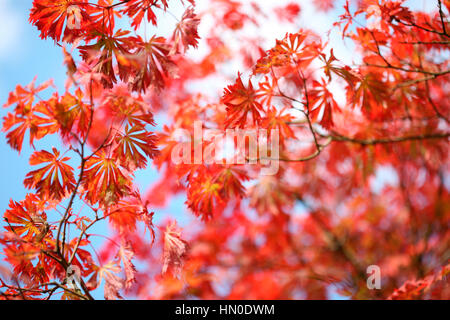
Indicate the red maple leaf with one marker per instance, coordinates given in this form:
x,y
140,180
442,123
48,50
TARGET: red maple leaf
x,y
175,249
185,33
27,218
54,180
137,9
104,180
133,146
126,254
241,101
107,50
57,17
154,63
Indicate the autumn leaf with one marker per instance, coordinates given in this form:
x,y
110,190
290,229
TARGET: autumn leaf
x,y
324,5
204,196
15,137
133,146
53,181
231,179
107,50
371,95
278,120
294,51
268,89
27,219
416,289
125,255
154,63
126,109
362,182
175,249
344,72
70,64
104,180
67,114
25,96
28,117
128,211
185,33
322,104
113,283
241,101
138,9
60,18
270,195
20,254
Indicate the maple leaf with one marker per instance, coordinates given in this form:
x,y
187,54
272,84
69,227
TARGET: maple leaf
x,y
26,218
126,254
185,33
104,180
233,18
175,249
53,181
270,195
371,94
269,60
396,117
301,47
24,96
295,50
417,289
345,72
131,144
275,119
137,9
126,109
113,283
19,253
70,63
281,55
267,90
322,102
105,51
15,137
128,211
231,179
241,101
73,112
124,215
393,10
154,63
52,16
26,116
81,257
204,195
68,115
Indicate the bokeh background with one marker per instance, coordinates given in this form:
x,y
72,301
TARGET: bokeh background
x,y
23,55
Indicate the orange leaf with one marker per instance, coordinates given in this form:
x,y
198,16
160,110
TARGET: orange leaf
x,y
54,180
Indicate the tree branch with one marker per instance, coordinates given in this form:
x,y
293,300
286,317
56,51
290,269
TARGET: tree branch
x,y
337,137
